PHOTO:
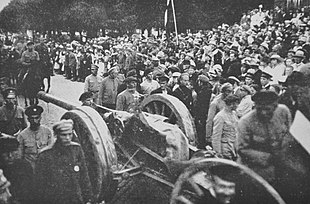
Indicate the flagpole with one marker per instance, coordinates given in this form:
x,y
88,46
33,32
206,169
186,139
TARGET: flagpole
x,y
175,22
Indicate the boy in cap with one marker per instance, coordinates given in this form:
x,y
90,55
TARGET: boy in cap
x,y
34,138
12,116
17,171
61,171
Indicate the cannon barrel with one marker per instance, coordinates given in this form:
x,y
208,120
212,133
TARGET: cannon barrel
x,y
56,101
96,141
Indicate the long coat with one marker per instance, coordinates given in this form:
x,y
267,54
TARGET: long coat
x,y
62,176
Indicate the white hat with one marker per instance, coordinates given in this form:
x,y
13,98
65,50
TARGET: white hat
x,y
176,74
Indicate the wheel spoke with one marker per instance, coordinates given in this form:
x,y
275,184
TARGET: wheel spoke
x,y
184,200
148,109
156,108
195,187
163,108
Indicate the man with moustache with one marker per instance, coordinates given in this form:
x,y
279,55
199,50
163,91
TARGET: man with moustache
x,y
12,116
35,137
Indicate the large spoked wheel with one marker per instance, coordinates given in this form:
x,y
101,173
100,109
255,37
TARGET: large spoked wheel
x,y
174,110
196,179
96,141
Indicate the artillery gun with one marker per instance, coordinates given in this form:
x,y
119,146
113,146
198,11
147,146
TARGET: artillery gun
x,y
155,143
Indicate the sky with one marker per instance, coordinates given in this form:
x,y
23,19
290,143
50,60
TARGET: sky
x,y
3,3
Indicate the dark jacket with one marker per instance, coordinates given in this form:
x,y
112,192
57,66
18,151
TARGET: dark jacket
x,y
184,94
203,101
62,176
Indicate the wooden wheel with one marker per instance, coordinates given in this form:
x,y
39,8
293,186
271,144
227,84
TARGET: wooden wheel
x,y
176,112
251,186
96,141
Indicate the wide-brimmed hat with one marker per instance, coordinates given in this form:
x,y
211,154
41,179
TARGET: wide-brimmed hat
x,y
277,57
299,54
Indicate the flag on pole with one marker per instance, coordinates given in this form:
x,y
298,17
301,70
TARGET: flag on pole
x,y
166,13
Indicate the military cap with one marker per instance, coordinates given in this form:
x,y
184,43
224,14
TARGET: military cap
x,y
85,96
233,78
174,69
265,97
132,72
9,93
203,78
34,110
226,172
163,77
249,75
30,43
266,75
8,143
130,79
113,69
63,125
148,71
94,66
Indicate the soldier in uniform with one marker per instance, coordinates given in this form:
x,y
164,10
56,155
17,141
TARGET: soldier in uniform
x,y
128,99
35,137
12,116
29,57
92,83
61,171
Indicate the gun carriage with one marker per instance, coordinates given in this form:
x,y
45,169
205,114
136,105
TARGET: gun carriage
x,y
156,142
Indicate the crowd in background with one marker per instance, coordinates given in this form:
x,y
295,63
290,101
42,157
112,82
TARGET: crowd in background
x,y
219,74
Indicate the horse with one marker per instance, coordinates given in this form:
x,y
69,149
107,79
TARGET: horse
x,y
31,82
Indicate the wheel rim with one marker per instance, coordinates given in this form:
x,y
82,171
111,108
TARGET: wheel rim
x,y
174,110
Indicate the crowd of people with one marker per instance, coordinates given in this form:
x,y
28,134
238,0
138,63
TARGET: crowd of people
x,y
243,84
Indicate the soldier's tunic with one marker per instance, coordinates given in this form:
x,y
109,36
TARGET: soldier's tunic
x,y
92,84
28,57
108,91
224,134
126,101
32,142
62,176
260,144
